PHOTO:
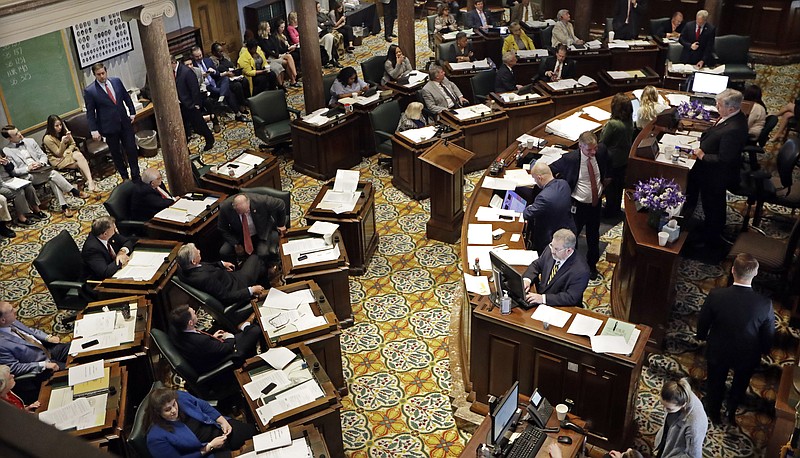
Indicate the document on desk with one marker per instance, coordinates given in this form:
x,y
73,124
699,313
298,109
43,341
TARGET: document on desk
x,y
583,325
677,99
478,64
517,257
479,234
472,111
305,296
99,405
278,357
275,438
278,299
339,202
304,244
329,253
452,35
85,372
551,154
95,323
531,53
249,159
594,44
495,214
520,177
477,285
415,77
618,44
586,80
346,181
67,416
596,113
615,344
302,394
297,449
553,316
562,85
498,183
514,97
571,127
288,321
323,228
316,118
419,135
262,379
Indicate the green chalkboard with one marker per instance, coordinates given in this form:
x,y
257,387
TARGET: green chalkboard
x,y
37,79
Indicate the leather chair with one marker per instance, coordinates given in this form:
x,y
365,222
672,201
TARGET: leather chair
x,y
774,255
199,168
750,176
137,439
94,150
674,51
216,384
547,38
372,69
227,316
327,83
118,205
657,24
384,119
271,118
444,52
431,21
782,189
61,267
286,197
482,84
609,27
733,51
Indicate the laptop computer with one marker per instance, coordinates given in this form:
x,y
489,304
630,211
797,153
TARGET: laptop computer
x,y
705,87
513,201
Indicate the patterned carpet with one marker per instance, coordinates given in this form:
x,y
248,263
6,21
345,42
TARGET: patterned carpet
x,y
396,356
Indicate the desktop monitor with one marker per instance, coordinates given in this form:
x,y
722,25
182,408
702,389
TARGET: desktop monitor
x,y
709,83
503,413
513,201
635,103
507,279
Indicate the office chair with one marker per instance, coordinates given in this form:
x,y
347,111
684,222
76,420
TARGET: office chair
x,y
61,267
656,24
137,439
327,83
227,316
384,119
372,69
118,205
271,118
95,150
482,85
431,21
782,189
733,51
286,197
750,178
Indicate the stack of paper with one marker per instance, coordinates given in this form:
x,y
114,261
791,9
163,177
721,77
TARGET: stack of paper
x,y
317,118
583,325
477,285
478,64
109,329
500,184
596,113
472,111
677,99
638,42
142,265
594,44
329,253
419,135
360,100
323,228
68,416
452,35
186,210
297,449
571,127
618,44
553,316
479,234
514,97
481,253
272,439
415,77
520,177
344,195
283,313
564,84
303,245
531,53
292,398
495,214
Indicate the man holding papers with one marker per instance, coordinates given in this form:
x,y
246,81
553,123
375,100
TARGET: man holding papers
x,y
219,279
150,196
21,192
105,251
251,223
557,67
560,278
550,209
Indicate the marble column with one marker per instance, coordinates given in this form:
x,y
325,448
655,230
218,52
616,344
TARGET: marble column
x,y
161,80
582,18
405,30
310,53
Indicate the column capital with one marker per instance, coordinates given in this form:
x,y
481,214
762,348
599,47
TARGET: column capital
x,y
156,9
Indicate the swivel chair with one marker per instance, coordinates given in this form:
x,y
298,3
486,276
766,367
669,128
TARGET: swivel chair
x,y
118,205
271,118
372,69
61,267
137,439
483,84
226,316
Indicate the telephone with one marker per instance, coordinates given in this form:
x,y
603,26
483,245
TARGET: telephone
x,y
539,409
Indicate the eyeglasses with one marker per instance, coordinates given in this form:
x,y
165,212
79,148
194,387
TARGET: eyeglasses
x,y
556,250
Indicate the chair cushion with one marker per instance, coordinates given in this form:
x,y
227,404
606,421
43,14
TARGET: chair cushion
x,y
385,148
273,132
768,251
739,72
95,148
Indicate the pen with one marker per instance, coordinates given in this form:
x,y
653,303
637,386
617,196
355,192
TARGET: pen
x,y
615,327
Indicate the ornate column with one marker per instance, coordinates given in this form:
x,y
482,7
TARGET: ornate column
x,y
582,18
165,97
310,53
405,30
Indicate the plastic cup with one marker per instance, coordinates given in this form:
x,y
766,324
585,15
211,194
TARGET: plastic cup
x,y
529,144
561,411
328,238
662,238
611,36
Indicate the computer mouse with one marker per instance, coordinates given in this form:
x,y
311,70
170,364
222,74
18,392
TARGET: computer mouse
x,y
564,440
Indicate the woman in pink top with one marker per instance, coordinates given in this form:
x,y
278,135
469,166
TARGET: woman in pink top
x,y
291,29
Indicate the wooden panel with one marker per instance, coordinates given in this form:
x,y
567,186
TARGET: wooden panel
x,y
503,364
548,375
793,25
597,399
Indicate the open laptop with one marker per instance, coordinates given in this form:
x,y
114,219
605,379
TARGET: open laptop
x,y
513,201
705,86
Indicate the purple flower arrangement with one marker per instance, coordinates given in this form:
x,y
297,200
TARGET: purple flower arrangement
x,y
693,110
658,194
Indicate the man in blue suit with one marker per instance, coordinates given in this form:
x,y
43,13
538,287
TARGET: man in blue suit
x,y
106,102
477,18
560,276
217,84
549,211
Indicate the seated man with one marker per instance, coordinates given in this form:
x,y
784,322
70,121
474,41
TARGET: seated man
x,y
504,80
105,251
205,351
526,12
564,31
560,278
26,202
440,94
477,17
216,84
461,49
247,223
31,163
219,279
557,67
150,196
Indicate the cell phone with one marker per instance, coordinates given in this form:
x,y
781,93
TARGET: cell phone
x,y
90,343
268,388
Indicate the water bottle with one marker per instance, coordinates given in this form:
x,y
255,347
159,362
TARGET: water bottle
x,y
505,304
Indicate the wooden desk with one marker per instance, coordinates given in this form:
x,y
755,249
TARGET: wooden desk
x,y
330,276
675,81
638,56
569,99
525,113
590,61
358,229
506,348
202,230
461,78
324,413
785,402
110,435
365,14
642,168
568,451
323,340
485,136
313,438
407,93
527,69
266,174
610,86
409,174
321,150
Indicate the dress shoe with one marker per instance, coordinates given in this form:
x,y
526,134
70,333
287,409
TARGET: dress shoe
x,y
6,232
594,274
394,35
68,212
217,128
27,222
337,64
388,39
39,215
208,146
242,118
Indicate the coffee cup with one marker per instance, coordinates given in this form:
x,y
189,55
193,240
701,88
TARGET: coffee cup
x,y
561,411
611,36
662,238
529,143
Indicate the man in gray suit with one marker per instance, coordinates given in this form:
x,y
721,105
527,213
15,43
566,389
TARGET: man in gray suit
x,y
262,215
440,94
26,350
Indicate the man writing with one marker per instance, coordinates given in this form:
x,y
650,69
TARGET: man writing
x,y
557,67
559,277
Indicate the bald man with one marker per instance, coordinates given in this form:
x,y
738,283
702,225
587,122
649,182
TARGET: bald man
x,y
550,210
251,223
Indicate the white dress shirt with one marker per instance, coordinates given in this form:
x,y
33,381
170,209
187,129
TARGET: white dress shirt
x,y
583,188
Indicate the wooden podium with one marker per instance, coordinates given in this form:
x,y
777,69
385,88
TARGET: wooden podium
x,y
447,204
485,134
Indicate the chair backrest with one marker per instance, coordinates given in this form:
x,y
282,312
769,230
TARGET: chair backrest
x,y
787,160
385,117
483,83
173,356
609,26
769,123
60,260
119,202
431,20
732,49
209,303
444,52
269,107
137,439
791,245
674,52
372,69
657,24
547,37
327,82
79,125
285,196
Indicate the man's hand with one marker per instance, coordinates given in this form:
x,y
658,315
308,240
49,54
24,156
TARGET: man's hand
x,y
4,161
533,298
462,58
526,284
554,450
257,289
222,335
464,102
35,166
133,117
699,153
228,266
519,86
579,42
53,339
96,136
700,64
615,454
51,365
695,45
122,259
282,231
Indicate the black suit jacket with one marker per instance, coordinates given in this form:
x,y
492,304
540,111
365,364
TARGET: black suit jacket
x,y
706,44
631,30
96,258
188,88
104,115
569,166
473,20
504,80
146,201
567,286
267,212
549,64
738,324
453,51
666,28
205,352
227,287
549,212
723,145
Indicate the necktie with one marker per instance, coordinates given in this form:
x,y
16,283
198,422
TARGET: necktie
x,y
248,241
592,180
111,250
110,95
207,334
449,94
697,34
557,73
483,18
526,14
29,338
209,80
553,273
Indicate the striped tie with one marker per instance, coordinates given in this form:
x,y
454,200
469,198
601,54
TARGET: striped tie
x,y
553,273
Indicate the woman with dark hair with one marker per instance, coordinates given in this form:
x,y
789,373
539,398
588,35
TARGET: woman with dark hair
x,y
758,114
617,135
62,151
255,67
444,22
339,20
347,84
277,50
396,64
181,425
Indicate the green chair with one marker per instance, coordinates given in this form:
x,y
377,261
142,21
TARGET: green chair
x,y
372,69
137,439
199,168
327,83
286,197
118,205
271,118
227,316
384,119
657,24
674,51
61,267
431,22
733,51
547,37
482,85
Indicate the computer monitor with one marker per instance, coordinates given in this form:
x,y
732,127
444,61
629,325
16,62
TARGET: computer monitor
x,y
503,413
507,279
709,83
635,104
513,201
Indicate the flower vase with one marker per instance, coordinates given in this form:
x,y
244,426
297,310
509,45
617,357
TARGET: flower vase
x,y
657,219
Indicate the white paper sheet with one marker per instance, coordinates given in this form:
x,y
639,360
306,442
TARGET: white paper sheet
x,y
16,183
477,285
472,111
109,340
304,296
278,357
571,127
665,157
483,63
482,254
94,323
297,396
323,228
68,415
339,202
261,380
514,97
566,83
297,449
615,344
586,80
518,257
304,244
97,417
278,299
677,99
531,53
488,214
323,255
85,372
498,183
479,234
419,135
346,181
583,325
596,113
553,316
520,177
274,438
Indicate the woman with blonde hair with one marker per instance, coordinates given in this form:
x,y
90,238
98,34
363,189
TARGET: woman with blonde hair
x,y
650,106
7,384
517,39
275,65
62,151
412,118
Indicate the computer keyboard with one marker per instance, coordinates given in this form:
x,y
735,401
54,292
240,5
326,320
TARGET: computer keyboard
x,y
528,443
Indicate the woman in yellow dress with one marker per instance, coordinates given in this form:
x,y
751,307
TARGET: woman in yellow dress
x,y
518,40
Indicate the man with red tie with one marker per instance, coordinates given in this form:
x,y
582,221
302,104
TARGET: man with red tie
x,y
627,15
697,39
251,223
150,196
105,251
110,112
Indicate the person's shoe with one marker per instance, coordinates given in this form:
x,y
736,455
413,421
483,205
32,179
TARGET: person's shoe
x,y
91,187
216,127
39,215
296,84
388,39
68,212
244,111
242,118
394,35
6,232
594,274
337,64
27,222
209,145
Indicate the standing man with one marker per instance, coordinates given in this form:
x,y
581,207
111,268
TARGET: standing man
x,y
251,223
190,101
627,17
440,93
504,79
697,39
738,324
526,12
550,209
559,276
106,101
389,15
586,172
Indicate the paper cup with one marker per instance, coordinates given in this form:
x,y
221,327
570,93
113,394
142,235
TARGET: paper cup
x,y
662,238
328,238
611,36
561,411
529,144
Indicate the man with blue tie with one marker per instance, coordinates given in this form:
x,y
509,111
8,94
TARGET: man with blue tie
x,y
477,18
560,276
106,102
217,84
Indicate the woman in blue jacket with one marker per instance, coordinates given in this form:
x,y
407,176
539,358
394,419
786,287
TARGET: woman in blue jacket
x,y
180,425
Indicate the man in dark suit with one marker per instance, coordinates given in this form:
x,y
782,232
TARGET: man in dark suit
x,y
627,18
190,100
150,196
560,276
738,324
550,209
206,351
557,67
586,171
217,84
671,28
265,217
105,251
718,162
460,50
106,101
219,279
504,80
477,18
697,39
